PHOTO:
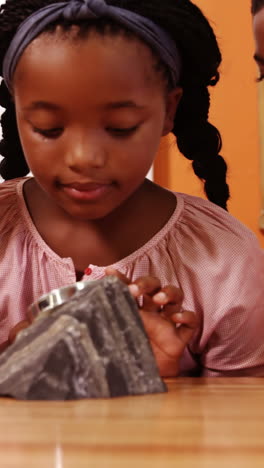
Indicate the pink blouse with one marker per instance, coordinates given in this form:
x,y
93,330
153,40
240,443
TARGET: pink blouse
x,y
214,258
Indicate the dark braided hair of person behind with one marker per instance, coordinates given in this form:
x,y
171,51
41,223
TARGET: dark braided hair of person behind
x,y
197,139
256,5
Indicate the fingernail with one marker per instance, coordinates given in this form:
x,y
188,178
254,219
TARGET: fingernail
x,y
134,289
179,315
161,297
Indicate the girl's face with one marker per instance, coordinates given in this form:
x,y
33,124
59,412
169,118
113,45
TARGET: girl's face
x,y
90,115
258,30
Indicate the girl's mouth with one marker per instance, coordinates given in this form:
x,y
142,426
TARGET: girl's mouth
x,y
87,191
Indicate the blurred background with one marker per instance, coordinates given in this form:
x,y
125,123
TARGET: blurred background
x,y
235,110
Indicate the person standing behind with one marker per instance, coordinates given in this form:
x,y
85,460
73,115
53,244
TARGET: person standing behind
x,y
257,10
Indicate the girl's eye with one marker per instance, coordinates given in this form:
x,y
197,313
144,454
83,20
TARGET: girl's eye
x,y
123,132
49,132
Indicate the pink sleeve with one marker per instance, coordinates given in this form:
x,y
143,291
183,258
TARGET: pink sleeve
x,y
233,336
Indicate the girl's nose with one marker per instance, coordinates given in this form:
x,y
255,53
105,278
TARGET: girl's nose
x,y
84,153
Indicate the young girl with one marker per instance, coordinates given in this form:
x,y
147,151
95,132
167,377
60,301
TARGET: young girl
x,y
90,87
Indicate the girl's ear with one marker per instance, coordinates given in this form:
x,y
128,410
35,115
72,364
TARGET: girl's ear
x,y
172,101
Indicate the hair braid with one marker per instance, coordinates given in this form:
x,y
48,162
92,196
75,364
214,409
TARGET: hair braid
x,y
197,139
200,141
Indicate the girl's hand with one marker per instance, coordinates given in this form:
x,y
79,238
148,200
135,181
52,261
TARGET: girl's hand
x,y
169,328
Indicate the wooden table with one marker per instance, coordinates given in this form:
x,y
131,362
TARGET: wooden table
x,y
198,423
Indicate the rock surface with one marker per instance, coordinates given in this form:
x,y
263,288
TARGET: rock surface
x,y
93,346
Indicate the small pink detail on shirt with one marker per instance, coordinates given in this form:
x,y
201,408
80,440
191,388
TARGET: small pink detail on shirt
x,y
88,271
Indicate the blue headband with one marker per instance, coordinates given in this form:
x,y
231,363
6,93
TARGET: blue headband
x,y
73,10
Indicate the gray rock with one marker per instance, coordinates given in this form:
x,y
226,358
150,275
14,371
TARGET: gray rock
x,y
93,346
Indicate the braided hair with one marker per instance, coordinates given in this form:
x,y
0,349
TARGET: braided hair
x,y
197,139
256,5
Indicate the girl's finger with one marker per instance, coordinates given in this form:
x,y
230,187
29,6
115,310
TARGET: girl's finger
x,y
169,295
186,324
169,310
185,317
112,271
140,288
146,285
148,305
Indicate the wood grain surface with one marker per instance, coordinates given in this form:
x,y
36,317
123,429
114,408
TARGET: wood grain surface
x,y
212,422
